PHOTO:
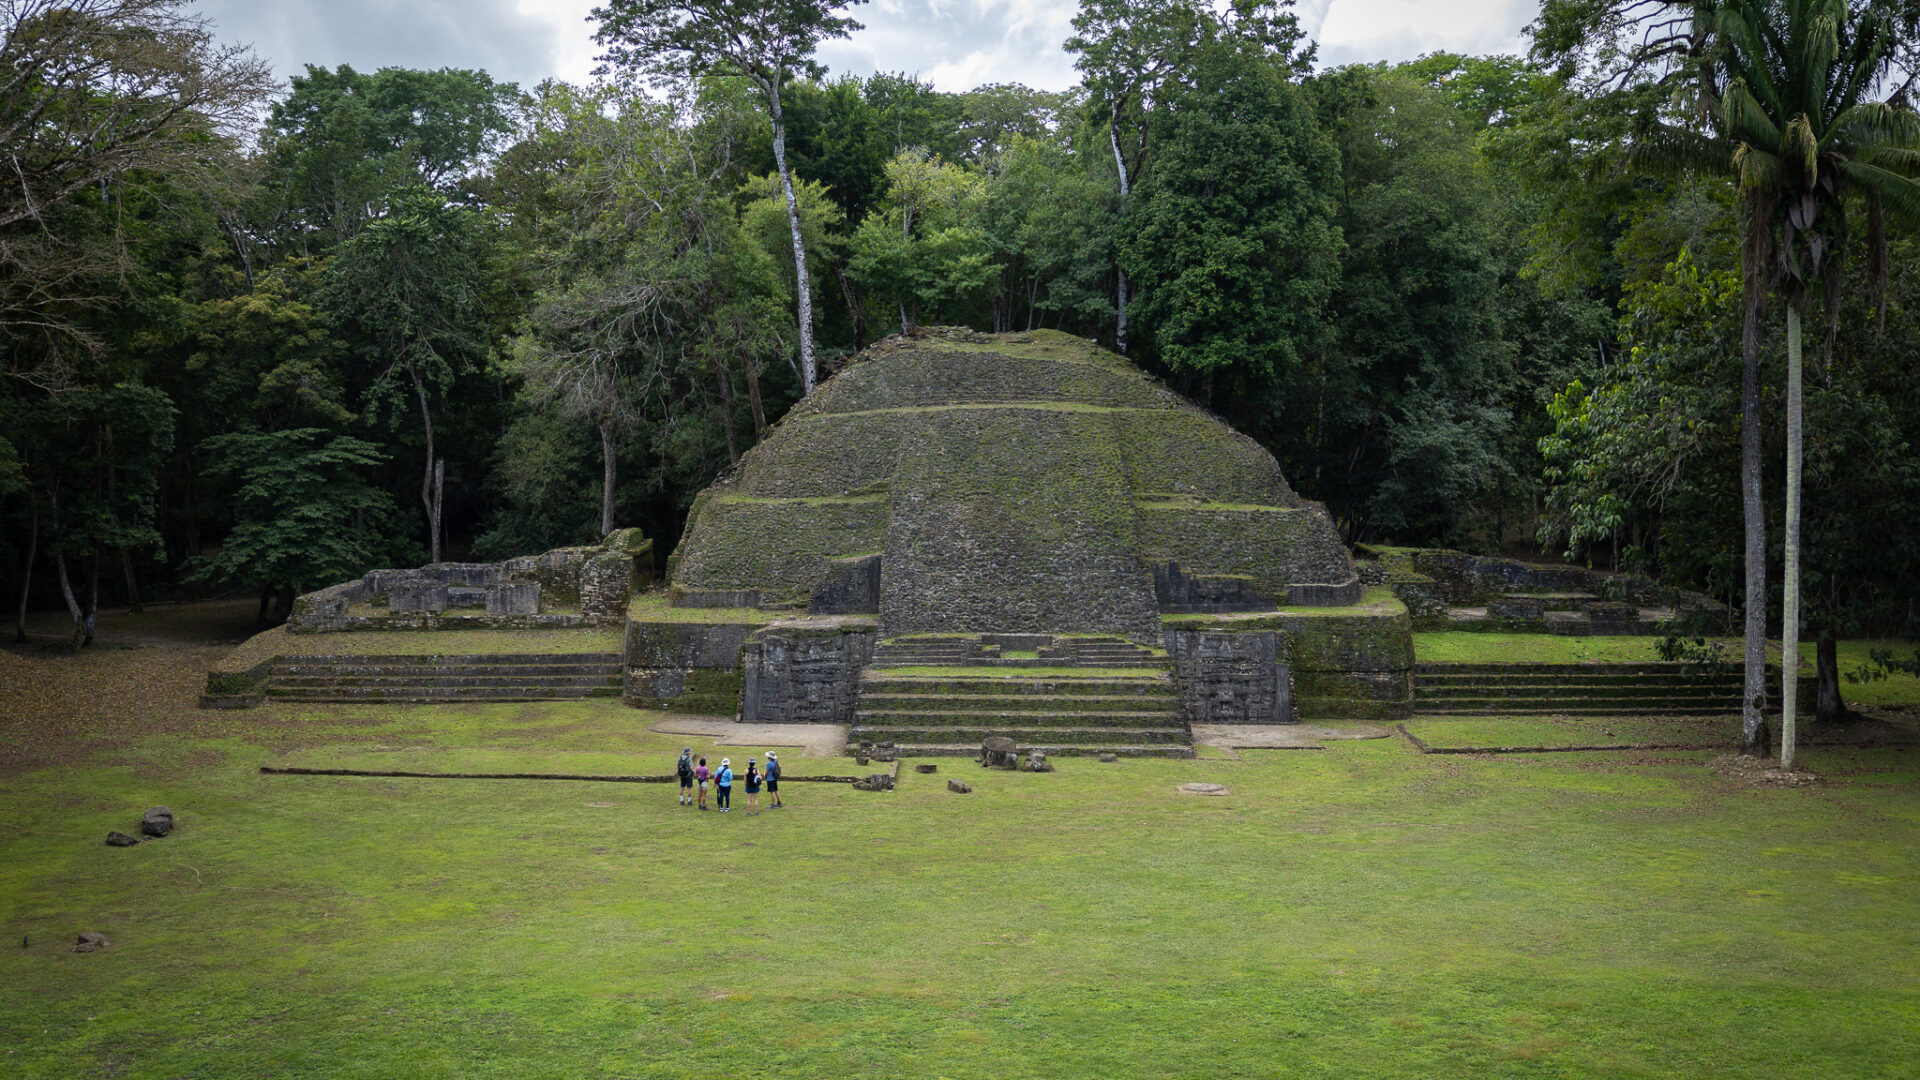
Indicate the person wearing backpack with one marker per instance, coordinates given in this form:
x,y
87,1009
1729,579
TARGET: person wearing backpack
x,y
753,789
684,767
723,784
773,781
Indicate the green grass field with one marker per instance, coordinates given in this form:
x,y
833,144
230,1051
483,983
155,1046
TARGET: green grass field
x,y
1362,911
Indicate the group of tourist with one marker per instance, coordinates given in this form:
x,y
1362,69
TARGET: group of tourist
x,y
694,778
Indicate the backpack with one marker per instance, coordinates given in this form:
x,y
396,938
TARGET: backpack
x,y
773,769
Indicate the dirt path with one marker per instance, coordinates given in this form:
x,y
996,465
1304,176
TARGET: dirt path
x,y
814,740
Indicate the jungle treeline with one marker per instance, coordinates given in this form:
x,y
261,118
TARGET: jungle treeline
x,y
261,337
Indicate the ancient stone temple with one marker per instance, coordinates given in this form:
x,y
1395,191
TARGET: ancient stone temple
x,y
961,535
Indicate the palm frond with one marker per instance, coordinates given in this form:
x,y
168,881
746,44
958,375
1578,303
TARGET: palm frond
x,y
1673,150
1898,194
1747,118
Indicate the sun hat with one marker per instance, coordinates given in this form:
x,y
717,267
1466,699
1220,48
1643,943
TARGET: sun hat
x,y
772,754
726,761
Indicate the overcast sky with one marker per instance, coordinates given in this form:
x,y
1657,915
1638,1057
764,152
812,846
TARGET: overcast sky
x,y
958,44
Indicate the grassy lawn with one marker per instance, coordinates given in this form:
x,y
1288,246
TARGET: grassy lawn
x,y
1361,911
1543,731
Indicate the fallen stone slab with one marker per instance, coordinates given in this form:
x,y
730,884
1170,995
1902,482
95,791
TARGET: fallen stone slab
x,y
91,942
1205,789
120,839
959,787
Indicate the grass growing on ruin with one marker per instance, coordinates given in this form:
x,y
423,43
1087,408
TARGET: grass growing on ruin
x,y
278,642
1469,647
1357,911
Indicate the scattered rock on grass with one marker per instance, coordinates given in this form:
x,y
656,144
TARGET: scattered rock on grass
x,y
1205,789
1037,762
1109,757
926,767
998,752
157,821
120,839
91,942
876,782
960,787
1760,772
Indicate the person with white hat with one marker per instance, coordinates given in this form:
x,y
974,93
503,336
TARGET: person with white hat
x,y
773,781
723,785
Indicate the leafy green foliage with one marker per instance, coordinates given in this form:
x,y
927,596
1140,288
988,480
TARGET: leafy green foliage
x,y
305,514
1231,237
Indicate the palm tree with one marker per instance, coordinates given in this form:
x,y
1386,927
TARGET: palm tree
x,y
1784,88
1805,134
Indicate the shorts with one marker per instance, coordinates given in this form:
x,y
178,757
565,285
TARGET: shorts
x,y
753,789
773,786
686,779
703,785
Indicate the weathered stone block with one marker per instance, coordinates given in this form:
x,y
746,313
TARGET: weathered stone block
x,y
418,597
467,596
513,598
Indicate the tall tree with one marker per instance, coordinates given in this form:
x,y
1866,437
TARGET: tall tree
x,y
1799,75
768,42
408,291
92,93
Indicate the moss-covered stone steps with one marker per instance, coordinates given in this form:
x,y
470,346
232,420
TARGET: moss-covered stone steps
x,y
912,736
971,681
372,695
1007,703
402,678
1597,690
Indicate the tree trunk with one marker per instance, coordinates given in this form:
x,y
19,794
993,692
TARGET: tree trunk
x,y
726,407
1754,736
856,311
66,593
1790,599
606,475
439,504
1828,706
801,286
133,585
1120,164
426,479
753,398
265,611
93,600
26,577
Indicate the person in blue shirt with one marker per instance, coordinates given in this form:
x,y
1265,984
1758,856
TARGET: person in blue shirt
x,y
773,781
723,784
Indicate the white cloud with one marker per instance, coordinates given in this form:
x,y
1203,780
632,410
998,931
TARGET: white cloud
x,y
958,44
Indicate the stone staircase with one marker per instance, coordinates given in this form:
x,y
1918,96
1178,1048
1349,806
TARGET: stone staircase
x,y
426,679
1647,689
941,696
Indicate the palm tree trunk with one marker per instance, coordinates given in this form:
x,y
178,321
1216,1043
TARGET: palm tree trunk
x,y
1754,736
1790,606
801,285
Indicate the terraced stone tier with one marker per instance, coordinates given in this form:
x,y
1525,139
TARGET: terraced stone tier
x,y
1078,697
1646,689
421,679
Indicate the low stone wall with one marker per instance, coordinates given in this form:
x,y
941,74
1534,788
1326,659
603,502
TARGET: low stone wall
x,y
1232,678
805,671
1345,663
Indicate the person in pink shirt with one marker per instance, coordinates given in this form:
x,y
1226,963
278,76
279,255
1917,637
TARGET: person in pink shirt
x,y
700,775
